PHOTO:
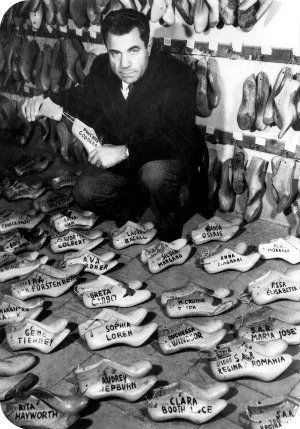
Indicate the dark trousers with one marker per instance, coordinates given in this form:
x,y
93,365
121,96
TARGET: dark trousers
x,y
112,192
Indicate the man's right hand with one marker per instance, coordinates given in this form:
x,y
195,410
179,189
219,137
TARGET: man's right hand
x,y
31,106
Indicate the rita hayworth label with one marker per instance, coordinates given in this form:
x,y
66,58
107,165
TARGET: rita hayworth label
x,y
102,296
34,411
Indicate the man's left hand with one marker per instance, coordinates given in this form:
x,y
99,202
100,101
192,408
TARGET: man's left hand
x,y
108,155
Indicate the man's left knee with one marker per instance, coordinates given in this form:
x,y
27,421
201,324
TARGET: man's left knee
x,y
156,174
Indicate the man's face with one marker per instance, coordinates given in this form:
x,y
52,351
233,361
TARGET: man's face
x,y
128,55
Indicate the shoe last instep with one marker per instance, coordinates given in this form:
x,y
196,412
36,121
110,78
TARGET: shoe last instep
x,y
189,335
22,266
110,379
47,281
248,359
53,200
272,412
116,331
93,263
41,415
189,289
107,292
167,256
186,401
158,245
270,329
37,335
135,317
264,313
132,233
71,219
198,304
13,365
215,230
29,242
13,310
14,385
75,240
283,248
229,259
15,220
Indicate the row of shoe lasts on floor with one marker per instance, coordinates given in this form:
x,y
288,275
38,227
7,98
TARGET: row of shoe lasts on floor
x,y
263,106
202,14
126,329
48,68
237,178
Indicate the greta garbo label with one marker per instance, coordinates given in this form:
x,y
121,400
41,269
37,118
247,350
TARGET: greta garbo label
x,y
231,258
229,361
29,411
169,257
102,296
33,336
185,403
40,284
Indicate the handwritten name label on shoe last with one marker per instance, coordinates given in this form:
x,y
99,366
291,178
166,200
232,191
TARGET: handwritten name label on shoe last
x,y
185,404
28,411
38,284
229,259
169,257
118,330
35,336
103,296
187,335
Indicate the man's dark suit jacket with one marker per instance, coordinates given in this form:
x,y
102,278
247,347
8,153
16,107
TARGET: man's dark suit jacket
x,y
157,119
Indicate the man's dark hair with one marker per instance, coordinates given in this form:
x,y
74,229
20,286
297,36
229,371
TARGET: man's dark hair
x,y
120,22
